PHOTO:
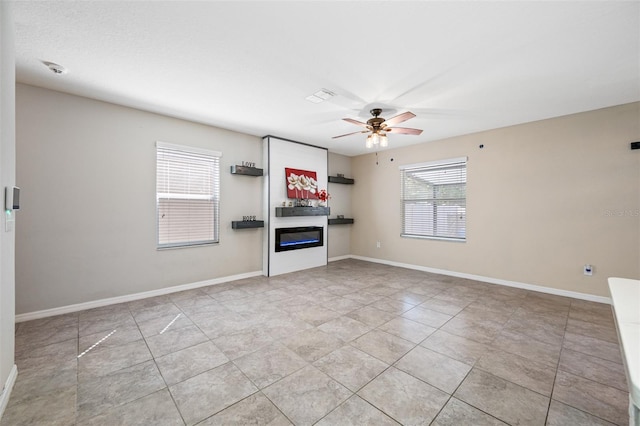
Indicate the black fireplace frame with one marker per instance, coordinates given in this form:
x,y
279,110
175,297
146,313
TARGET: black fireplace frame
x,y
312,241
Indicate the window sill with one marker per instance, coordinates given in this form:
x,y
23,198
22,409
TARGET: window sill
x,y
424,237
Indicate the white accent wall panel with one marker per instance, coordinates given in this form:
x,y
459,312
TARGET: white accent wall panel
x,y
279,154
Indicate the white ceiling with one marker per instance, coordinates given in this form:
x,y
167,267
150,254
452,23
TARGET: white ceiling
x,y
462,67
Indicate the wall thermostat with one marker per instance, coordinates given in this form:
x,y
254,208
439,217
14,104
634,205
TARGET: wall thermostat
x,y
12,198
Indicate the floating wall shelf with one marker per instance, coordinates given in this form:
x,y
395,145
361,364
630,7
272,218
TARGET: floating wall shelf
x,y
302,211
246,224
342,221
341,179
247,171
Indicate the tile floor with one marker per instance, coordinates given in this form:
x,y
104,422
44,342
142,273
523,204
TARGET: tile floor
x,y
352,343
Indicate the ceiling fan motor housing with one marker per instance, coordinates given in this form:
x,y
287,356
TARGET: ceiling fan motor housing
x,y
376,121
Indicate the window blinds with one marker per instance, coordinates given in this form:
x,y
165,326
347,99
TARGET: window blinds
x,y
434,199
188,195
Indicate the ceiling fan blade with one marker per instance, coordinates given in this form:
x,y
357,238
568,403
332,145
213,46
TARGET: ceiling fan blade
x,y
399,118
356,122
349,134
403,130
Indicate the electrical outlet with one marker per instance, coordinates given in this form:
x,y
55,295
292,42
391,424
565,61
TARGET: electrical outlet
x,y
588,270
377,244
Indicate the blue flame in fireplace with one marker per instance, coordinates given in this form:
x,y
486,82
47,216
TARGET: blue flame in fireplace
x,y
299,238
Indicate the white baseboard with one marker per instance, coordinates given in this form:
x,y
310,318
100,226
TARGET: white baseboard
x,y
525,286
8,387
334,259
131,297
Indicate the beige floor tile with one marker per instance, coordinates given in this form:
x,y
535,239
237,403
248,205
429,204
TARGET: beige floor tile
x,y
481,331
563,415
407,329
371,316
102,362
56,408
50,323
27,341
243,343
345,328
384,346
254,410
47,357
427,317
594,398
34,383
445,304
104,322
363,297
312,344
404,398
319,296
203,304
343,305
156,409
592,346
545,330
163,324
98,395
533,375
208,393
598,331
157,311
456,347
175,340
351,367
219,325
409,297
281,328
270,364
520,344
436,369
489,308
307,395
598,313
316,315
356,412
395,307
513,337
99,341
504,400
186,363
457,413
593,368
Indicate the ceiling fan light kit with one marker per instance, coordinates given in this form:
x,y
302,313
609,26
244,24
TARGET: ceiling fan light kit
x,y
377,139
378,127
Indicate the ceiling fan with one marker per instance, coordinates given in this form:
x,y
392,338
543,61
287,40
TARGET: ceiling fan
x,y
378,127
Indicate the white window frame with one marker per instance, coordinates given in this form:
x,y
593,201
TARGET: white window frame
x,y
209,191
411,224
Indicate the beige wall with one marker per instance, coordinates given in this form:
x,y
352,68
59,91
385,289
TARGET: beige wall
x,y
543,199
340,203
87,228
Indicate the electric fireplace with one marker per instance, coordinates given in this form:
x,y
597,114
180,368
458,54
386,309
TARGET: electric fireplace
x,y
299,238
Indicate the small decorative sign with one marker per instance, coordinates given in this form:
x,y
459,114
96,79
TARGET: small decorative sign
x,y
248,218
248,164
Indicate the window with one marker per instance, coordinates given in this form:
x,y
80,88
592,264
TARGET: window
x,y
187,195
434,199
